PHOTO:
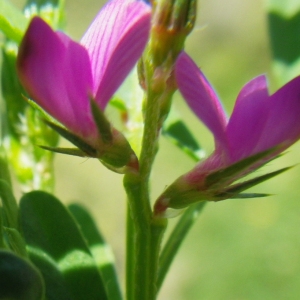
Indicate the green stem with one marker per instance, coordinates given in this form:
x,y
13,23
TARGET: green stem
x,y
150,139
147,233
176,238
130,253
158,228
141,216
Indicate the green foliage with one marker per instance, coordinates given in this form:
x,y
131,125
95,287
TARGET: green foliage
x,y
284,28
287,8
56,287
49,228
176,238
11,89
100,250
176,131
12,22
19,279
22,126
10,207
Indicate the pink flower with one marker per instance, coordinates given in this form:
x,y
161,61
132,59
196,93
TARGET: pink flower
x,y
259,122
62,75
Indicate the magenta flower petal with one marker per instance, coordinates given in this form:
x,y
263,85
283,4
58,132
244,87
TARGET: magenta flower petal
x,y
248,118
283,124
115,40
201,97
261,127
56,73
39,66
78,82
62,76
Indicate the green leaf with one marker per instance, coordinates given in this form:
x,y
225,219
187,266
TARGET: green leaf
x,y
119,104
101,251
286,8
2,242
176,238
10,206
56,287
284,27
49,227
11,90
177,132
15,241
4,170
23,129
12,22
19,279
4,177
285,37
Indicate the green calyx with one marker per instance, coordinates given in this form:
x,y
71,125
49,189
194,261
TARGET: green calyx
x,y
118,156
218,185
113,150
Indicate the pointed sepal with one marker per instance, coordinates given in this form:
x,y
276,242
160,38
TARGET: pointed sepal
x,y
68,151
217,186
114,151
103,125
74,139
43,113
234,190
232,172
250,195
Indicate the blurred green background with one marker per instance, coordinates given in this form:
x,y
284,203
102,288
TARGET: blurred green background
x,y
238,249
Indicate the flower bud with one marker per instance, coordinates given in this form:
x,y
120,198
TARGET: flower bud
x,y
173,20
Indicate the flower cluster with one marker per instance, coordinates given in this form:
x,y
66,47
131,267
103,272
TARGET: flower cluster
x,y
73,82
